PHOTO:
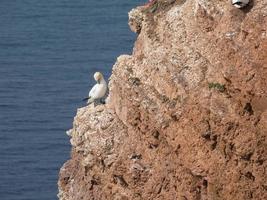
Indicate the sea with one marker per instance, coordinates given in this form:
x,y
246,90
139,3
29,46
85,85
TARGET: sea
x,y
49,51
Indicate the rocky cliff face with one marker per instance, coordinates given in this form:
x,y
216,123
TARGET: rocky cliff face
x,y
186,117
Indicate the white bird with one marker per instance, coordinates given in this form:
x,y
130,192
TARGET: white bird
x,y
240,3
99,90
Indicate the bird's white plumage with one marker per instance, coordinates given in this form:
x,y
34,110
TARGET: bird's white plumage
x,y
240,3
99,90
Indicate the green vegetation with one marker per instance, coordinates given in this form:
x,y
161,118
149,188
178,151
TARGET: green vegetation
x,y
217,86
153,7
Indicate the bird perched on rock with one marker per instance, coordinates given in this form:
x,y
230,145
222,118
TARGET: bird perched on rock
x,y
99,90
240,3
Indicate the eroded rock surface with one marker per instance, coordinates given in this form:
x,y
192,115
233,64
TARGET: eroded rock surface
x,y
187,111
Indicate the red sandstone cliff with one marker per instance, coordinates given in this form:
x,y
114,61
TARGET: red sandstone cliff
x,y
186,117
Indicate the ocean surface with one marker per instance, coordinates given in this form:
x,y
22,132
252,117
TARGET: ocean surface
x,y
49,51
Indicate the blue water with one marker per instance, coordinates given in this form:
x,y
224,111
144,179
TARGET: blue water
x,y
48,53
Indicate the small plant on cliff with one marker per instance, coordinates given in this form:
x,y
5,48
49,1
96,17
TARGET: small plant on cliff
x,y
154,6
151,6
217,86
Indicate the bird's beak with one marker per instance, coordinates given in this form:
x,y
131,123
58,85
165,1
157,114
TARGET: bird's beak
x,y
98,81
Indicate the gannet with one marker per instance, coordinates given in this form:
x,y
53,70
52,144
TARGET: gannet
x,y
240,3
99,90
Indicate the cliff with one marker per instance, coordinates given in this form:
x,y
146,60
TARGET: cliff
x,y
186,116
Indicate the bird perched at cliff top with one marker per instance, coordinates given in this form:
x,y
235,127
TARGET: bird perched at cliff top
x,y
240,3
99,90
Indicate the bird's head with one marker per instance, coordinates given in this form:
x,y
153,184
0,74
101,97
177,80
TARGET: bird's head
x,y
98,77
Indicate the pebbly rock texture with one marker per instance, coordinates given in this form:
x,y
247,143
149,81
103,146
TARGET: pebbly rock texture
x,y
186,117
